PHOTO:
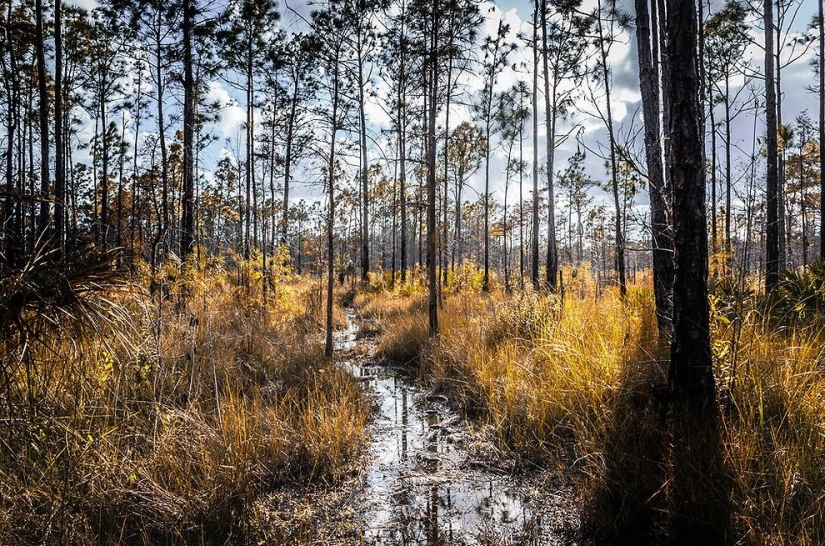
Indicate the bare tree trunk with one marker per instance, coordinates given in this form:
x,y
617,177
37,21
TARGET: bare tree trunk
x,y
728,170
402,152
521,200
714,236
45,184
534,242
164,167
821,20
620,261
444,234
772,250
552,267
290,129
431,181
661,233
187,235
328,346
691,370
365,218
59,170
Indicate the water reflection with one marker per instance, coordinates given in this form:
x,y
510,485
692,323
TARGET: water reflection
x,y
418,489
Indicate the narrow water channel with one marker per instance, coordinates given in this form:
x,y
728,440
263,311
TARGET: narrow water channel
x,y
419,486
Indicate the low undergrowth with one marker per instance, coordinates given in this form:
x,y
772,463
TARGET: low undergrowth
x,y
580,385
162,418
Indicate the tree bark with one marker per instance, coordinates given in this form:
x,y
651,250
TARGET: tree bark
x,y
45,184
534,241
620,261
772,258
431,181
691,372
187,237
552,266
365,218
821,130
661,233
59,170
328,346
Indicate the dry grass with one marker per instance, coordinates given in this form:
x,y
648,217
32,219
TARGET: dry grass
x,y
581,386
165,424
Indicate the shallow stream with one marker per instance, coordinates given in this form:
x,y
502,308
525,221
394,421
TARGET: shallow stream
x,y
421,484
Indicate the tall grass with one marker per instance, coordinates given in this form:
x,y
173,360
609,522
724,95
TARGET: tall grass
x,y
580,385
167,422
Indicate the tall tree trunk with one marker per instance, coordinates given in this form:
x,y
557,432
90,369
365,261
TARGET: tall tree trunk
x,y
59,169
164,164
431,181
394,209
134,212
290,129
444,232
402,145
552,266
45,184
521,198
328,346
691,366
187,236
249,167
728,171
534,240
772,258
714,237
488,122
780,165
121,163
620,261
661,233
365,218
821,20
11,235
104,174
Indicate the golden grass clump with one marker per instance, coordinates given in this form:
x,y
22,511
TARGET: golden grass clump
x,y
167,422
398,318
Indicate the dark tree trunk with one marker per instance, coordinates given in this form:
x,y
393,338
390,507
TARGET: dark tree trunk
x,y
59,170
534,240
328,346
45,184
365,218
290,129
160,237
187,236
431,181
661,233
552,265
714,235
821,130
772,258
691,371
620,260
728,170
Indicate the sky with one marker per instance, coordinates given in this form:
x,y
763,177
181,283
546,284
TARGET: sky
x,y
626,100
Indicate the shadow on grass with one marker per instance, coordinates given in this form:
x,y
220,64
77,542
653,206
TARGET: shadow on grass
x,y
662,477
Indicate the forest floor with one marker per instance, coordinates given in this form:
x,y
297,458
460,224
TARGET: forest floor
x,y
197,407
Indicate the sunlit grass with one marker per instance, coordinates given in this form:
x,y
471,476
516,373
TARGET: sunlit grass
x,y
170,426
580,386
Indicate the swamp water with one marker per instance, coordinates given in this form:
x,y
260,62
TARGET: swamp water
x,y
420,486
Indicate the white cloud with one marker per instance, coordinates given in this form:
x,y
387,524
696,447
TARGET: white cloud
x,y
232,116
